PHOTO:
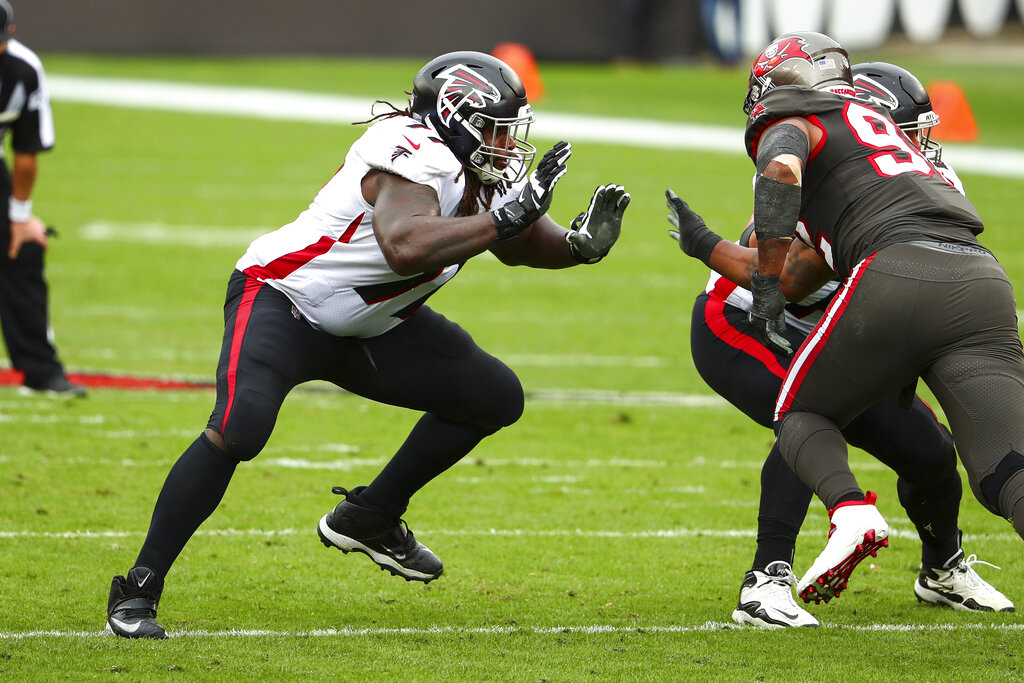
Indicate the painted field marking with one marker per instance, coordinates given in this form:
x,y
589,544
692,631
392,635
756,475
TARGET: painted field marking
x,y
595,629
907,533
290,105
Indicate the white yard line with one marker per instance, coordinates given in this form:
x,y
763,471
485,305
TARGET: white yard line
x,y
287,105
907,533
609,397
594,629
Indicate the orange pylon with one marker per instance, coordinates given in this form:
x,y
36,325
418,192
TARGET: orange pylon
x,y
956,122
519,57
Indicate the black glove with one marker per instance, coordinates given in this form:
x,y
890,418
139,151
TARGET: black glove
x,y
695,238
768,313
535,198
594,231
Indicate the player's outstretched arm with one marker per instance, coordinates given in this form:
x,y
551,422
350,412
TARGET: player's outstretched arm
x,y
545,244
804,270
413,235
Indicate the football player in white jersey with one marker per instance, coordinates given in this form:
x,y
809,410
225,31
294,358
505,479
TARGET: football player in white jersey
x,y
908,438
339,295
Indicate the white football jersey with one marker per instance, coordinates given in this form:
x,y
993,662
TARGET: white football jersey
x,y
327,261
801,316
950,175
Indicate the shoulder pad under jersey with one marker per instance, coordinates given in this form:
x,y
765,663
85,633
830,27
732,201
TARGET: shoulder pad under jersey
x,y
407,148
785,101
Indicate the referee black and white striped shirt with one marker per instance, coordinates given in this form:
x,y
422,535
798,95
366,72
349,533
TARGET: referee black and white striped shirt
x,y
24,100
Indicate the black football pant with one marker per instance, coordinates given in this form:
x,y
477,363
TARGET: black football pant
x,y
912,442
25,306
427,363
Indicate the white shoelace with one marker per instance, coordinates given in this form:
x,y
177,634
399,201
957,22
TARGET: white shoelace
x,y
973,579
783,586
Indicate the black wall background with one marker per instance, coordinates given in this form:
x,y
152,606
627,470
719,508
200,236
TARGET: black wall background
x,y
552,29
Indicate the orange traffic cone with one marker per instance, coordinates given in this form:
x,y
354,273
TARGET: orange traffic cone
x,y
956,122
519,57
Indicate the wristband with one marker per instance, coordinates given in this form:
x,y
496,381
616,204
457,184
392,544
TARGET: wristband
x,y
510,220
19,211
704,245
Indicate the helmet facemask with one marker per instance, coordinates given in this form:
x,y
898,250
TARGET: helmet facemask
x,y
503,153
921,132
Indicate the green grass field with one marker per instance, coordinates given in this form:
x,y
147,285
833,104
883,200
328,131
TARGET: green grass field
x,y
597,539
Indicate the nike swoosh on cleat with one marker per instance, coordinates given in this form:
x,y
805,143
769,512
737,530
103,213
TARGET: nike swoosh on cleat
x,y
788,615
130,628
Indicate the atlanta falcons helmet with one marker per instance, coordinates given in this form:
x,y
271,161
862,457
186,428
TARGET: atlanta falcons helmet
x,y
802,58
477,105
900,92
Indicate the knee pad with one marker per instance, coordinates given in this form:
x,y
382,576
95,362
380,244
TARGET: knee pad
x,y
1004,488
243,445
794,429
501,407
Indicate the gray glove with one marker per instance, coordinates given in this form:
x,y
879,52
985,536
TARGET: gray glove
x,y
594,231
768,313
695,238
535,198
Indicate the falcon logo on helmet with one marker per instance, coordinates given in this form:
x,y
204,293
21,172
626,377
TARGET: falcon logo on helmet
x,y
874,92
463,86
905,97
477,106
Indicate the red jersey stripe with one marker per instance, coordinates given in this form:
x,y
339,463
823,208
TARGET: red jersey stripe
x,y
351,229
283,266
714,316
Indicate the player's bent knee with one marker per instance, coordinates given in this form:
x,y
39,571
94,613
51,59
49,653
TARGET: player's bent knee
x,y
243,445
1003,490
506,406
500,405
795,428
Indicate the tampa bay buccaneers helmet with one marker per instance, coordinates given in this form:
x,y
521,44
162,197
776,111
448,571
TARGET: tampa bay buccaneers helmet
x,y
802,58
905,97
477,105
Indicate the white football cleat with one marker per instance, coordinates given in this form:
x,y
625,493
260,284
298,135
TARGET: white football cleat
x,y
858,531
957,585
766,599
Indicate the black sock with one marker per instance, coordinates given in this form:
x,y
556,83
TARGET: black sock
x,y
781,512
191,492
432,447
933,506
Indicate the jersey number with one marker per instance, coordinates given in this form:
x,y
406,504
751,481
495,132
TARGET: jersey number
x,y
897,154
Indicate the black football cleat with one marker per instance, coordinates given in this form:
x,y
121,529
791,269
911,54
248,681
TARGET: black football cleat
x,y
386,539
131,609
58,386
